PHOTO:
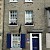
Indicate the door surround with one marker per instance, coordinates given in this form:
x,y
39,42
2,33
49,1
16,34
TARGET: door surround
x,y
40,40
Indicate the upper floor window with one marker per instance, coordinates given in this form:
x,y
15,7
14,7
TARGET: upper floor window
x,y
13,17
13,0
28,17
28,0
48,15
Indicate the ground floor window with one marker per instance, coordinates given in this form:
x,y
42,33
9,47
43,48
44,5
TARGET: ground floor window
x,y
15,40
35,41
47,40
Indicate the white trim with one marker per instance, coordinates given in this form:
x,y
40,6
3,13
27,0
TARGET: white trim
x,y
15,40
11,40
35,37
48,17
28,1
12,17
47,40
40,40
9,16
15,48
30,41
27,16
13,1
29,25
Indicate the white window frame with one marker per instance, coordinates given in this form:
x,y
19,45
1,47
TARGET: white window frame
x,y
47,40
28,0
48,17
40,40
12,41
26,17
11,19
13,1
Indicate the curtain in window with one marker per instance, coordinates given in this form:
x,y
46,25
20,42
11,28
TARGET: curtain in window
x,y
28,16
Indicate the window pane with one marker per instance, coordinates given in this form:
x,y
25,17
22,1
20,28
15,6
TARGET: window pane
x,y
28,16
18,45
13,17
48,17
47,40
16,40
18,34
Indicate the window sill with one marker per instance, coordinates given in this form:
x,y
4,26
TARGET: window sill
x,y
12,25
29,1
12,1
29,25
15,48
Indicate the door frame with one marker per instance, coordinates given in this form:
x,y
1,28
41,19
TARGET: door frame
x,y
40,40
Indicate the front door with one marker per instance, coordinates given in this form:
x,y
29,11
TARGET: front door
x,y
35,43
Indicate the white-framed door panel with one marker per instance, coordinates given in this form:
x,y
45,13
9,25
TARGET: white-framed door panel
x,y
40,40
